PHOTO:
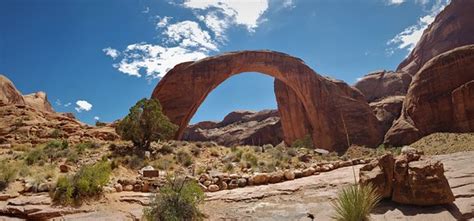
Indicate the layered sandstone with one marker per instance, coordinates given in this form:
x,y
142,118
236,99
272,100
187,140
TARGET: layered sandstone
x,y
381,84
239,128
8,92
452,28
387,110
39,101
440,98
333,109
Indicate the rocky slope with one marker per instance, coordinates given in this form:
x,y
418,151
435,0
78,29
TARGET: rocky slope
x,y
440,98
30,119
239,128
381,84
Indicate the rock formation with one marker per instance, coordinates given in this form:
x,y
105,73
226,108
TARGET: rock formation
x,y
440,98
333,109
31,119
387,110
39,101
451,28
239,128
8,92
378,85
408,180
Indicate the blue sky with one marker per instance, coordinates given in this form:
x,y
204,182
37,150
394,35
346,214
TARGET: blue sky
x,y
97,58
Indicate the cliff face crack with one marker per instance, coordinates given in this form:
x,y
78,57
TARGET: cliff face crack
x,y
308,103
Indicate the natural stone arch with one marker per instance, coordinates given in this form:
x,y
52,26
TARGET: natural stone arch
x,y
324,102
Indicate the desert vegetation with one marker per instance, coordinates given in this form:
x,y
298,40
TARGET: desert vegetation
x,y
355,202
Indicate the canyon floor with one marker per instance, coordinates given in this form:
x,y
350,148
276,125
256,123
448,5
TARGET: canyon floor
x,y
290,200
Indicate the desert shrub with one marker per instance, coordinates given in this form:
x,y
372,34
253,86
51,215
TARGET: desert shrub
x,y
56,133
215,153
35,156
228,167
56,149
305,142
99,123
86,183
250,158
8,173
292,152
72,157
195,150
178,200
146,123
81,147
166,149
184,158
355,202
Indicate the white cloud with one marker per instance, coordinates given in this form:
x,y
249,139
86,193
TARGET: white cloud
x,y
156,60
395,2
113,53
189,34
288,4
83,105
96,118
187,40
162,22
58,102
247,13
67,104
408,38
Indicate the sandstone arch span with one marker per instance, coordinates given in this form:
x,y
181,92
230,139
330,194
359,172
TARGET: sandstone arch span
x,y
309,103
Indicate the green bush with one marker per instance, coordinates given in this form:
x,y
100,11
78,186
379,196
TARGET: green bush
x,y
56,149
184,158
146,123
228,167
178,200
81,147
8,173
355,202
34,156
86,183
305,142
166,149
250,158
56,133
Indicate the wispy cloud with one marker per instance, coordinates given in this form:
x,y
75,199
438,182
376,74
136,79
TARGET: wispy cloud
x,y
395,2
189,40
82,105
96,118
409,37
113,53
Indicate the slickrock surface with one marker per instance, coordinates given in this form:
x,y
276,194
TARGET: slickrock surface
x,y
331,107
440,98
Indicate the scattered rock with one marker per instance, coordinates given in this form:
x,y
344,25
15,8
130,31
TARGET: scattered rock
x,y
276,177
64,168
118,187
309,171
289,175
259,179
213,188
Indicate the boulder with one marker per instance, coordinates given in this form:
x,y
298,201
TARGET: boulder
x,y
421,183
408,180
213,188
289,175
387,110
259,179
64,168
440,99
379,173
276,177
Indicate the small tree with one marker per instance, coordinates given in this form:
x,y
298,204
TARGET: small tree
x,y
146,123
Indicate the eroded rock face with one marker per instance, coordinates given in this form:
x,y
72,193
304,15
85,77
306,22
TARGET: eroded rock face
x,y
39,101
440,98
8,92
452,28
332,108
382,84
239,128
387,110
408,180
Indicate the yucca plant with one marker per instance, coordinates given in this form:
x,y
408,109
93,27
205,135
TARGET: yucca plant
x,y
355,202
